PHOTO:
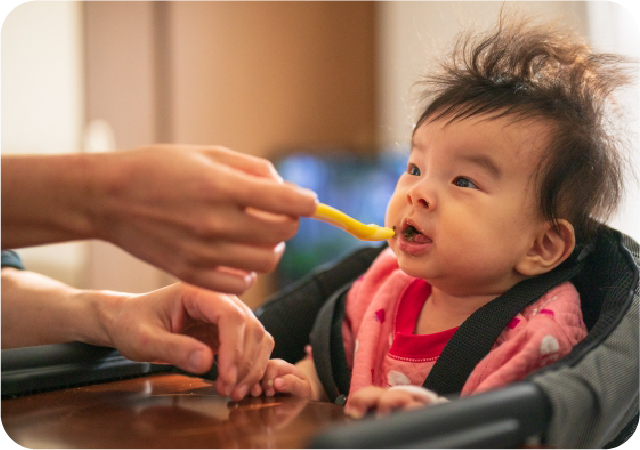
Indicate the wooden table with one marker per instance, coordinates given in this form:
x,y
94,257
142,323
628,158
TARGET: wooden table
x,y
171,411
162,411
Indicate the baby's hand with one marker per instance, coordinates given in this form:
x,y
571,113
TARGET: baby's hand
x,y
385,400
283,377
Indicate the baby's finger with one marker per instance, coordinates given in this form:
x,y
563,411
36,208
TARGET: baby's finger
x,y
392,401
413,405
260,359
420,394
270,373
363,400
293,385
269,390
223,388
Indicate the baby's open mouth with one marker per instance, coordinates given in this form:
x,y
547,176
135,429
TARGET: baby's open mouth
x,y
412,234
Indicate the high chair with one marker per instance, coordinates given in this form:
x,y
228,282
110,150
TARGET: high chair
x,y
587,399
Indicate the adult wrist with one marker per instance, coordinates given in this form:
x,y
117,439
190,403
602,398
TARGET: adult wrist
x,y
100,310
78,180
111,177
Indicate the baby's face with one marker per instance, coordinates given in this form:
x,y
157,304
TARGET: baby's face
x,y
465,209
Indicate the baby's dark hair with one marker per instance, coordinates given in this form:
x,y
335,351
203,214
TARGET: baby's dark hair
x,y
527,71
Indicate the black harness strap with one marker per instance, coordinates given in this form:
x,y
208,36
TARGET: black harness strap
x,y
477,335
289,315
326,334
326,343
466,348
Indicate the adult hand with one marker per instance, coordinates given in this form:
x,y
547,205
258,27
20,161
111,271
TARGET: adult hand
x,y
207,215
194,211
185,326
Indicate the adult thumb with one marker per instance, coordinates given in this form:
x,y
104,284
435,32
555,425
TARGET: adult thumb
x,y
185,352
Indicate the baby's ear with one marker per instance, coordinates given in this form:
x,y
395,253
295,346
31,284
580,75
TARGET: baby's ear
x,y
551,246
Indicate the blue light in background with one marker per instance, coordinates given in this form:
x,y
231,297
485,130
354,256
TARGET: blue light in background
x,y
359,185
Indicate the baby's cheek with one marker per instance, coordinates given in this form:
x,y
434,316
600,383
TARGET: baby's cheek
x,y
393,214
393,245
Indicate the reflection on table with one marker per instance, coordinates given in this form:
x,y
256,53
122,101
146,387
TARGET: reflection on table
x,y
162,411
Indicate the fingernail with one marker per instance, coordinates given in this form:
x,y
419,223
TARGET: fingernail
x,y
279,383
242,390
307,191
276,175
280,248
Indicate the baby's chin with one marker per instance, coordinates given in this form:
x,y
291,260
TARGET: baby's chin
x,y
410,265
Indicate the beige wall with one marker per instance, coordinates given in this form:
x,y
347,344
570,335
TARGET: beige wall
x,y
42,104
260,75
120,91
613,27
412,33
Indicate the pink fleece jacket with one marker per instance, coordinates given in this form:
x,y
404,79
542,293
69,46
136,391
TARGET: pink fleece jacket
x,y
384,305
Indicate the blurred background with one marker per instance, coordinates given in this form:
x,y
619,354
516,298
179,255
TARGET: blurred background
x,y
322,89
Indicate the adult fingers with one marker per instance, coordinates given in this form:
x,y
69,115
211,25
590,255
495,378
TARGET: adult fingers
x,y
245,346
227,221
185,259
247,163
247,258
262,192
218,280
267,195
258,347
230,317
185,352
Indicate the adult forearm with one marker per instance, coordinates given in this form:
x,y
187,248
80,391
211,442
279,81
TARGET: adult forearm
x,y
37,310
46,199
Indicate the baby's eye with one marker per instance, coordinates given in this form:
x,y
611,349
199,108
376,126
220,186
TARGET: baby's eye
x,y
464,182
412,169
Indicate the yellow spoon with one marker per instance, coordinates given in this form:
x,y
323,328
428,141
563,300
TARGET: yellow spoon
x,y
361,231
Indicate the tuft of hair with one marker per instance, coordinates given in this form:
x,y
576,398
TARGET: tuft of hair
x,y
529,71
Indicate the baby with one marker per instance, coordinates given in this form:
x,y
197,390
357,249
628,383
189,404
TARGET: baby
x,y
510,168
